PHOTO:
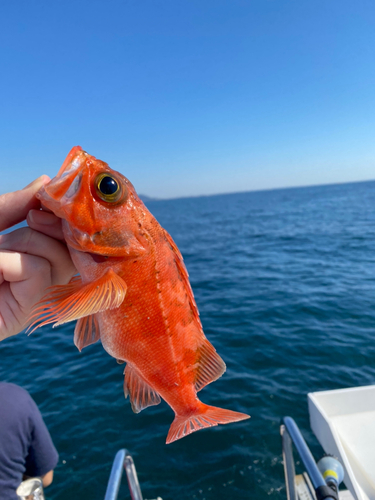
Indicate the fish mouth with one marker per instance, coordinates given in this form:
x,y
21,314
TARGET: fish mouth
x,y
72,162
77,239
80,240
62,188
98,258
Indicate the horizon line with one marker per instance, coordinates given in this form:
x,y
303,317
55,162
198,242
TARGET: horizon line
x,y
152,198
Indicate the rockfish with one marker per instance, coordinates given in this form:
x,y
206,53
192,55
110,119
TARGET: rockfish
x,y
133,293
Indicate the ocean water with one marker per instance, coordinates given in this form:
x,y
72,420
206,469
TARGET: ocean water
x,y
285,284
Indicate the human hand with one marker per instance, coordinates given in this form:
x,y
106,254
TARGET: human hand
x,y
31,258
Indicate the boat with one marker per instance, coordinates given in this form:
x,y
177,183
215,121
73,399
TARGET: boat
x,y
343,422
124,461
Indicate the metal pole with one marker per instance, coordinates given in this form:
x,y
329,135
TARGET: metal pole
x,y
289,469
131,474
308,460
123,460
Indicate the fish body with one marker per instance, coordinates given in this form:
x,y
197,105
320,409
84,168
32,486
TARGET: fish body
x,y
133,293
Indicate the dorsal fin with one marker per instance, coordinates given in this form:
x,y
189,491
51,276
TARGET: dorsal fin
x,y
140,392
209,366
184,276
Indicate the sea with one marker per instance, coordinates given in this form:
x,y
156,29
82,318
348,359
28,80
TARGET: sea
x,y
285,284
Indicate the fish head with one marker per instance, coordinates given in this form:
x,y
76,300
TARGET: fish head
x,y
101,211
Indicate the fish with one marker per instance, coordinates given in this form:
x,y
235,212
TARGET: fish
x,y
132,292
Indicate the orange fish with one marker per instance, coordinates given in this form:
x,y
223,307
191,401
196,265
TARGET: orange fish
x,y
133,293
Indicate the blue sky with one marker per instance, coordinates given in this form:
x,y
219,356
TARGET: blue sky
x,y
190,97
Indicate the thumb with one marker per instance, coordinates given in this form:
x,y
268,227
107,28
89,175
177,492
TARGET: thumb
x,y
15,206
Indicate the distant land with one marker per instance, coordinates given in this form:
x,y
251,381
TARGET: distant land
x,y
145,197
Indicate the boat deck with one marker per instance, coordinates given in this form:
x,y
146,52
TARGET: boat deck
x,y
343,420
305,490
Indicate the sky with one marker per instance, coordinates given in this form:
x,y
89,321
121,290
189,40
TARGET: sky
x,y
190,97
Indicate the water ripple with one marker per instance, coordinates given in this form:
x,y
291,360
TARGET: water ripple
x,y
284,281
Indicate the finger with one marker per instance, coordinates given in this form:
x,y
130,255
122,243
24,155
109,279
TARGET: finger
x,y
46,223
28,277
15,206
24,282
28,241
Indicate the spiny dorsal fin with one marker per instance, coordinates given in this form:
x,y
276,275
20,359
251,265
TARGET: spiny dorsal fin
x,y
184,276
86,332
76,300
140,393
209,366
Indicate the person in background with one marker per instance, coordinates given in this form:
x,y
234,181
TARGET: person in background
x,y
26,447
31,258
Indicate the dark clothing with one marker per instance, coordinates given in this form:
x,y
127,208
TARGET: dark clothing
x,y
25,444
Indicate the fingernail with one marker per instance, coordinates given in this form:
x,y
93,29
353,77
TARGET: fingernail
x,y
41,217
3,240
43,179
30,216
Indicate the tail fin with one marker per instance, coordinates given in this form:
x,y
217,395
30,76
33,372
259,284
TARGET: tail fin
x,y
205,416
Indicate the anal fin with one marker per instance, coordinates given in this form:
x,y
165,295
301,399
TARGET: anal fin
x,y
140,392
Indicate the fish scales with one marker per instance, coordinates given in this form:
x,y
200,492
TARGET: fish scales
x,y
133,293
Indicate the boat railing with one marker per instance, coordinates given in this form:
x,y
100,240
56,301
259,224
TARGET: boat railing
x,y
290,434
123,460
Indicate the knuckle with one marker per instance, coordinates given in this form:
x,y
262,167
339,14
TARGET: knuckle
x,y
42,266
21,238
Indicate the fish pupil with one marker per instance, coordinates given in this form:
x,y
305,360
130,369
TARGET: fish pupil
x,y
108,185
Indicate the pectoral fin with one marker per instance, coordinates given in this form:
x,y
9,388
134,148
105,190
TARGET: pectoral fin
x,y
76,300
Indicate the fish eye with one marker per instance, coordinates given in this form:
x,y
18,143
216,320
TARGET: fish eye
x,y
108,188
